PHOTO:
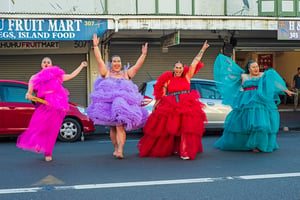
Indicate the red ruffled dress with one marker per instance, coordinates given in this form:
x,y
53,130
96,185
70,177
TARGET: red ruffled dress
x,y
177,124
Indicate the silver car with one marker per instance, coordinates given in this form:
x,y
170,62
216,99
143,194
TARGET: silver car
x,y
216,112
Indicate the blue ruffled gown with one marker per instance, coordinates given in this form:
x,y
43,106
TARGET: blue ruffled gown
x,y
254,119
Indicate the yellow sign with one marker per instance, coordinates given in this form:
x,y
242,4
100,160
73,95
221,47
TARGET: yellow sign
x,y
49,180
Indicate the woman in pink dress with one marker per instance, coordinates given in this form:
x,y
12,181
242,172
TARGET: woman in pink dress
x,y
41,134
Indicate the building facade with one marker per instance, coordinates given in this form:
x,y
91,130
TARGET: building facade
x,y
264,30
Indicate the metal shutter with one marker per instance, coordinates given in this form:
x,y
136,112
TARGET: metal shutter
x,y
157,62
22,67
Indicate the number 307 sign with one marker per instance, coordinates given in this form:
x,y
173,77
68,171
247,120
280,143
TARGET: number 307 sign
x,y
51,29
288,30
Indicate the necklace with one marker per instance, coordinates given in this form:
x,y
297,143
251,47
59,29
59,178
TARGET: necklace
x,y
116,73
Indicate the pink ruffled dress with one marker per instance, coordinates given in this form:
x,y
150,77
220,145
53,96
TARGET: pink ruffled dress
x,y
41,134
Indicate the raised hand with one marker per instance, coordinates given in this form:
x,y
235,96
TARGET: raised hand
x,y
145,48
95,40
205,45
84,63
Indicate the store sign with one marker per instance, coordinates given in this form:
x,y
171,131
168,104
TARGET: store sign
x,y
288,30
170,39
29,45
51,29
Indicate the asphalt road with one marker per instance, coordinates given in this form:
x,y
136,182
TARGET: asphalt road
x,y
87,170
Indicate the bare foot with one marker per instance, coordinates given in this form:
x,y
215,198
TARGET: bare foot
x,y
116,150
119,151
256,150
119,155
48,158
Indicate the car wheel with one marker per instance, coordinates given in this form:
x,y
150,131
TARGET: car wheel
x,y
70,130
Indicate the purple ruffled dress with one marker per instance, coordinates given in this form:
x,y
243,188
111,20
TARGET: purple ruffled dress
x,y
41,134
117,101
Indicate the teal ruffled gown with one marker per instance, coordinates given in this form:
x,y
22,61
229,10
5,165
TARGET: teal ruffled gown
x,y
254,119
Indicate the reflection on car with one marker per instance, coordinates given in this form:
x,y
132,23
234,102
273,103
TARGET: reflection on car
x,y
215,111
16,112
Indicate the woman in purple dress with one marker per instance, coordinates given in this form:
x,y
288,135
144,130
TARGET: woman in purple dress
x,y
41,134
116,101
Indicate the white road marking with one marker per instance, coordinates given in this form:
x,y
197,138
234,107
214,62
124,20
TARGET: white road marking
x,y
148,183
265,176
20,190
127,141
143,183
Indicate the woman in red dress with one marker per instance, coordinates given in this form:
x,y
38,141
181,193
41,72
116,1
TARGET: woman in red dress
x,y
177,122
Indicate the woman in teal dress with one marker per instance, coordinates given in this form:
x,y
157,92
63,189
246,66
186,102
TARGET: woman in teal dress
x,y
253,96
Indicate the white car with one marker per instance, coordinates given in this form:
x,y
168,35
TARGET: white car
x,y
216,112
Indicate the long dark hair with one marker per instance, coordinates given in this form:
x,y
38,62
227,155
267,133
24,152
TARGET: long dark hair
x,y
248,65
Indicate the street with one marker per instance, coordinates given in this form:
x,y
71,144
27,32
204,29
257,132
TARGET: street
x,y
87,170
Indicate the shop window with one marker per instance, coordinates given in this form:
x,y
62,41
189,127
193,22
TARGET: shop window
x,y
267,8
265,61
167,6
121,7
298,7
146,6
282,8
287,8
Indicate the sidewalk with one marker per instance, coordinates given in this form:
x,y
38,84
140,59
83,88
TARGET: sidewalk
x,y
287,108
289,117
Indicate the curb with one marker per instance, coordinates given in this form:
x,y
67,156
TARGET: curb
x,y
288,109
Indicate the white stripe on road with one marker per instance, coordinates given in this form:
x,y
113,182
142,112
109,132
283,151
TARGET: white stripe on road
x,y
143,183
147,183
265,176
20,190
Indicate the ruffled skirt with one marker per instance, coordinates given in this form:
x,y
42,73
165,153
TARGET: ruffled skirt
x,y
174,127
253,123
117,102
41,134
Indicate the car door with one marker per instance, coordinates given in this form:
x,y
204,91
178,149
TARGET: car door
x,y
16,111
1,111
215,111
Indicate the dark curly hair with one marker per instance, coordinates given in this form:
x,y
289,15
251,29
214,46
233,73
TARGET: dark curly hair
x,y
114,56
248,65
178,61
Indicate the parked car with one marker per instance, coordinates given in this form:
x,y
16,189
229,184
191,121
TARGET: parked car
x,y
215,111
16,111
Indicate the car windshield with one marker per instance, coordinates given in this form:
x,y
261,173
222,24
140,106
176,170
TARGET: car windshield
x,y
206,90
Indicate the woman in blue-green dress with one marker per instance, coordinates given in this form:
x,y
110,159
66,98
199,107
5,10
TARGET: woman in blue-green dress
x,y
253,96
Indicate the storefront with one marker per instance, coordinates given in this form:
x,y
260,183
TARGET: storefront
x,y
283,56
24,43
22,67
160,60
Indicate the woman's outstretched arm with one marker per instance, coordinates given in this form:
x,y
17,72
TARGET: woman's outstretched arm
x,y
67,77
196,60
101,65
133,70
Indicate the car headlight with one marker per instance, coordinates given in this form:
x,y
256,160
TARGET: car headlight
x,y
82,110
